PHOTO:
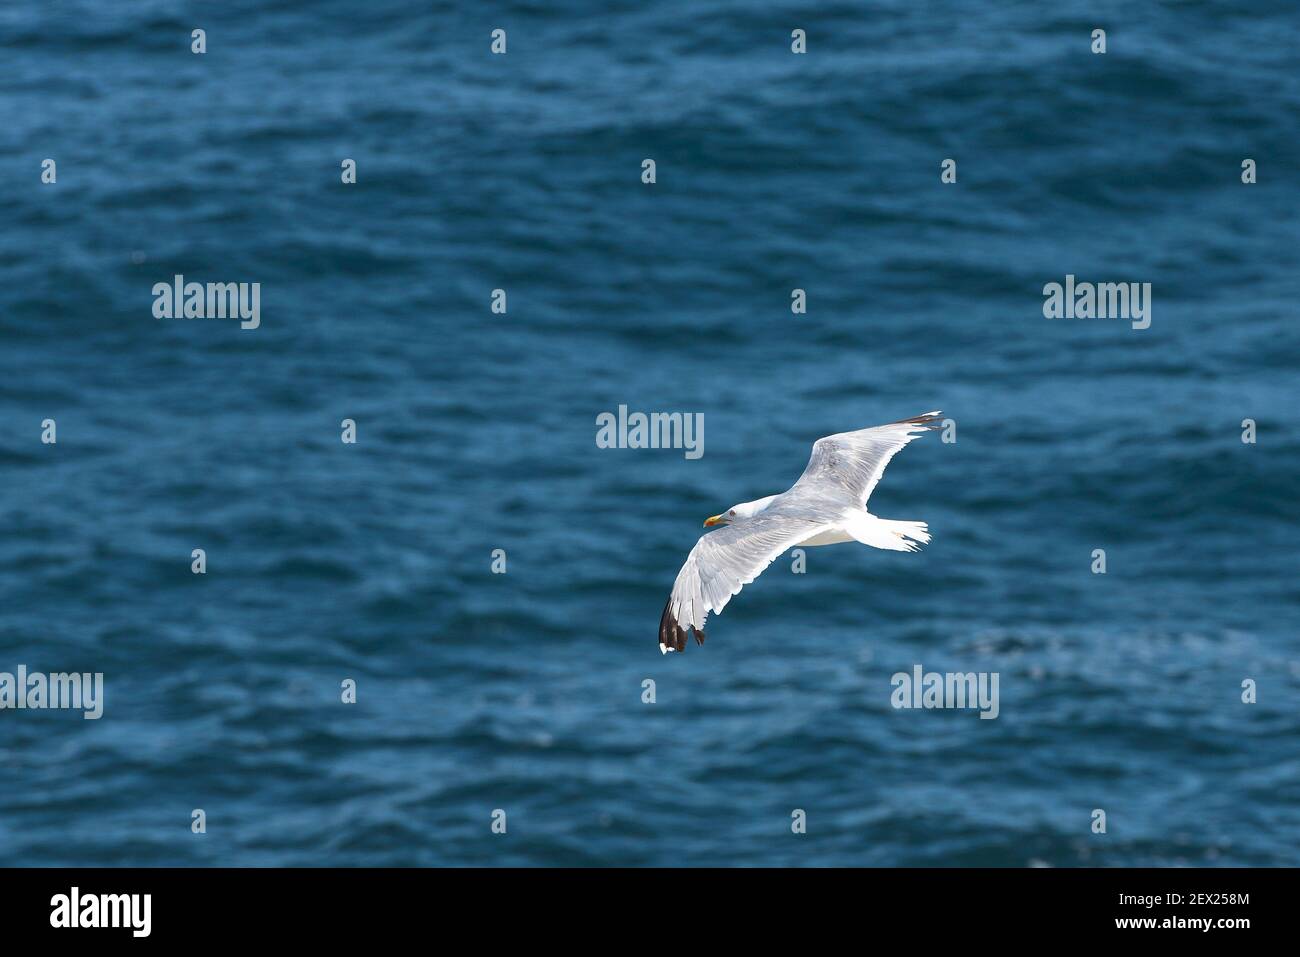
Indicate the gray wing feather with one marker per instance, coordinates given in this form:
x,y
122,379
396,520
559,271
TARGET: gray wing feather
x,y
851,463
725,561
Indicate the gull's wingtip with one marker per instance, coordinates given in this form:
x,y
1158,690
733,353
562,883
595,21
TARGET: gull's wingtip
x,y
671,635
925,420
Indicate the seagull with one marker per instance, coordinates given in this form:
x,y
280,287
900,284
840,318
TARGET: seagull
x,y
826,506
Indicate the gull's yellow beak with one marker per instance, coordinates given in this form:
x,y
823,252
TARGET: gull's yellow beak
x,y
713,520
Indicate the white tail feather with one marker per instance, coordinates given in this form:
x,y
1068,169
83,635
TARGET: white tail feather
x,y
887,533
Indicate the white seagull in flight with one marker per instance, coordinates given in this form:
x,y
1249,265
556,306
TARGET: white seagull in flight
x,y
826,506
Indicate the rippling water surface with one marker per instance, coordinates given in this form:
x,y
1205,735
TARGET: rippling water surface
x,y
476,431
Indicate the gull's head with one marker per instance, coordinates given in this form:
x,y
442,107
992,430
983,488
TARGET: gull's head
x,y
725,518
738,513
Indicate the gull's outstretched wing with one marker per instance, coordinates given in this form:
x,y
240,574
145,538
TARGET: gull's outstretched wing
x,y
723,562
852,462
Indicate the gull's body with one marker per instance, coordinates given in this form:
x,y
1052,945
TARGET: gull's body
x,y
825,507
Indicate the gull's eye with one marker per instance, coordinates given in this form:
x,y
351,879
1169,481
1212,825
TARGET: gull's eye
x,y
732,512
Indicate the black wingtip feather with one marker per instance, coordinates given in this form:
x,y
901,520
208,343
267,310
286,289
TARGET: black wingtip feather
x,y
925,420
673,635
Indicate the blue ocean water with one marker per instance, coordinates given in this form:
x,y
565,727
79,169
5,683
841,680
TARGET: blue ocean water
x,y
476,431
